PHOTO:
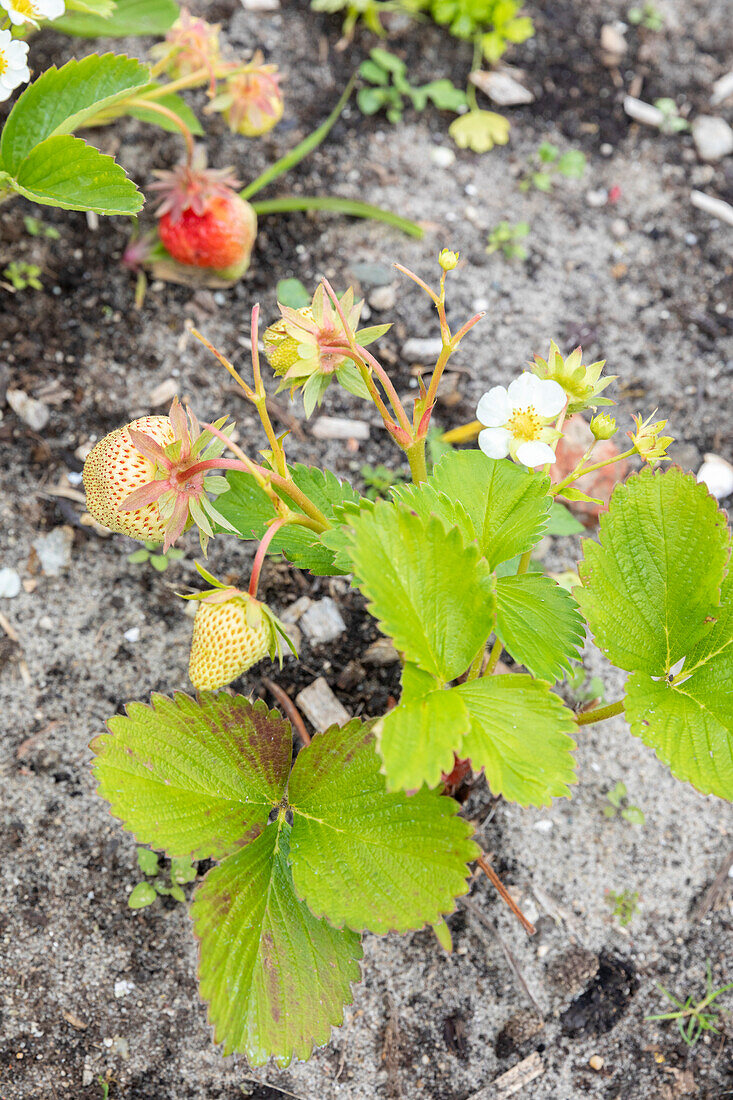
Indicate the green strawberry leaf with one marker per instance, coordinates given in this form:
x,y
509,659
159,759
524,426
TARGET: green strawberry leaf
x,y
196,779
563,522
249,509
62,100
66,172
276,977
130,17
103,8
539,624
520,736
432,596
171,102
652,582
689,722
362,857
418,738
505,506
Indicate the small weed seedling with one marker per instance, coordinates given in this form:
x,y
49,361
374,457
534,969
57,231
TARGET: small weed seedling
x,y
584,689
23,276
549,163
34,227
647,16
618,803
624,905
357,832
505,238
388,88
379,480
153,553
145,893
693,1018
673,122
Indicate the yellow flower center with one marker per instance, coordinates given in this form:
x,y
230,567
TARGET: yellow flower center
x,y
3,63
525,424
26,8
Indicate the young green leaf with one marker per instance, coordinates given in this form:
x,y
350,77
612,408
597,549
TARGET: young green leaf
x,y
276,977
362,857
418,738
520,736
689,722
506,505
652,582
66,172
130,17
563,522
432,596
61,100
539,624
141,896
291,292
194,779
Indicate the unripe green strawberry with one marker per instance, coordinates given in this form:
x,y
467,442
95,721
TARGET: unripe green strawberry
x,y
115,468
228,638
282,348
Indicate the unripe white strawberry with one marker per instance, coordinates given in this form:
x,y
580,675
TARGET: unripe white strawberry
x,y
228,638
115,468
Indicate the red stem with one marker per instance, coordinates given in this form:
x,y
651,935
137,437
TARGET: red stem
x,y
269,535
504,894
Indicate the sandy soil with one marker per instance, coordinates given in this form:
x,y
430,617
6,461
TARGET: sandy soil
x,y
644,282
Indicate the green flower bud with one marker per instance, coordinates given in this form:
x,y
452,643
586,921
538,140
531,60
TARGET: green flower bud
x,y
603,426
448,260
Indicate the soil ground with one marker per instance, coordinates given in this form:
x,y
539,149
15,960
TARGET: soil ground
x,y
644,282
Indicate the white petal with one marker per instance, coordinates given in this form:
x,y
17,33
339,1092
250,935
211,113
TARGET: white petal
x,y
535,453
494,408
17,53
5,93
523,390
550,397
494,442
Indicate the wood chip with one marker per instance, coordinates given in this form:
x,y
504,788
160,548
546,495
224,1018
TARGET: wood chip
x,y
513,1081
74,1020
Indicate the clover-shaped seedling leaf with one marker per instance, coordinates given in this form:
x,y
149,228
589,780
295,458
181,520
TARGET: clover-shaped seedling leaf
x,y
307,860
479,130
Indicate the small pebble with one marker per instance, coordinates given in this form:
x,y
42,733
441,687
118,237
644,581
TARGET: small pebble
x,y
123,987
164,393
606,149
322,622
422,350
32,412
45,623
613,45
717,474
713,138
381,653
320,705
596,1063
722,88
9,584
544,825
383,298
619,228
132,635
54,550
643,112
442,156
597,198
502,88
292,614
337,427
261,5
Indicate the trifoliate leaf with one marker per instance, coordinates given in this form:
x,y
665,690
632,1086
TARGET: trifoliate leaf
x,y
418,738
652,582
276,977
363,857
539,624
64,171
432,596
196,779
506,505
479,130
689,723
519,735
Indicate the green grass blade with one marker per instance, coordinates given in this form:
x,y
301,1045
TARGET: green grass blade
x,y
337,206
306,146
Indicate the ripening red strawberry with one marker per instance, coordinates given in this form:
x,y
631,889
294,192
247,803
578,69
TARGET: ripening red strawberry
x,y
204,222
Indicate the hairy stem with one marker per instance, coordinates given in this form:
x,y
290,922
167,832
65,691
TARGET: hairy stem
x,y
599,714
504,894
269,535
579,471
165,112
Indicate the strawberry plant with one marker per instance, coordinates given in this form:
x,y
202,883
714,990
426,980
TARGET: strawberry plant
x,y
359,833
205,222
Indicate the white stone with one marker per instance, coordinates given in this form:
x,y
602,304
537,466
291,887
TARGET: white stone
x,y
643,112
544,825
261,5
32,412
717,474
337,427
501,88
132,635
382,652
322,622
54,550
320,705
382,298
292,614
123,987
442,156
713,138
613,45
164,393
9,583
717,208
422,350
722,88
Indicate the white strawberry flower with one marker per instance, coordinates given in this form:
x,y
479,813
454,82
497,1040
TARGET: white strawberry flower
x,y
13,64
517,419
32,11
